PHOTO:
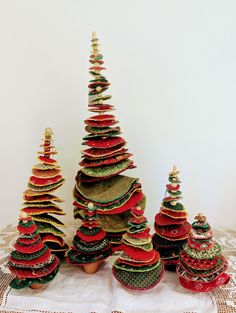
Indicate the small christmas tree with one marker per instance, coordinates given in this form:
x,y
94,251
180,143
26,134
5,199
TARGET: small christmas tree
x,y
40,203
201,263
140,266
171,226
31,261
106,157
90,244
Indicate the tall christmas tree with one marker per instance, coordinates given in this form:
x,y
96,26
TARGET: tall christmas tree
x,y
99,180
201,263
31,261
171,226
140,266
90,244
40,203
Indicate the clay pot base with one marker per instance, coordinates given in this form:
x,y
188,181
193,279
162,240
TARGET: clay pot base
x,y
36,286
91,268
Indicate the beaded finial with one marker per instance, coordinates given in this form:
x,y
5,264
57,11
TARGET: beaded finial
x,y
94,35
95,44
174,171
200,218
23,215
48,132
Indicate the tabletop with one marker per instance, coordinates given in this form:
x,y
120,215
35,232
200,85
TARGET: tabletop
x,y
73,291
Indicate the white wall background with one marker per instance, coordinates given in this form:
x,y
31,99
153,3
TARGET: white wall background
x,y
172,66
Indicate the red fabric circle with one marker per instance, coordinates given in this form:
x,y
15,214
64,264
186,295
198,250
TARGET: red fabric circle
x,y
28,240
222,279
27,230
137,211
52,238
101,123
99,236
170,187
29,249
174,232
140,264
138,220
110,160
171,199
44,181
134,200
174,214
41,210
102,153
41,259
139,254
97,68
163,220
104,143
103,117
91,224
47,160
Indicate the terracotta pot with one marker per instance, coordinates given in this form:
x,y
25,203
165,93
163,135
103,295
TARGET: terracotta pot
x,y
33,286
36,286
91,268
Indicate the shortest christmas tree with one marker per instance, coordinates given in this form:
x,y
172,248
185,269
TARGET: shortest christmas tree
x,y
31,261
201,263
140,266
90,244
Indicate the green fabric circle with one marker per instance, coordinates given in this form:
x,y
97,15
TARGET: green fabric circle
x,y
203,254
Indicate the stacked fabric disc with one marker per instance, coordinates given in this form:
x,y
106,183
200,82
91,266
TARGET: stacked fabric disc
x,y
40,203
90,243
171,226
31,261
140,266
201,264
98,180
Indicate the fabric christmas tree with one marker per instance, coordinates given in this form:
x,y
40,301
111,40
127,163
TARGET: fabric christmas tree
x,y
171,226
201,263
90,243
31,261
140,266
99,180
40,203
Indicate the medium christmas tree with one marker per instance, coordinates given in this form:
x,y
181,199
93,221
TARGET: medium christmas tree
x,y
201,263
31,261
171,226
140,266
99,180
40,203
90,244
